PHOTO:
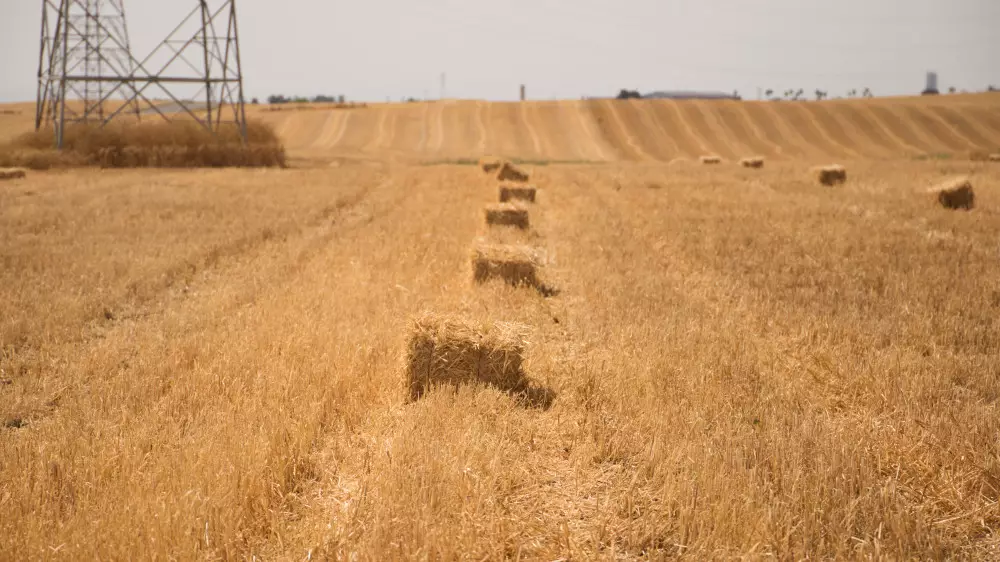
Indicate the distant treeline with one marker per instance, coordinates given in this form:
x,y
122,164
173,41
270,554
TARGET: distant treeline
x,y
279,99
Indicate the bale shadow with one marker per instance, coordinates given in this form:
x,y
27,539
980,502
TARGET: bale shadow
x,y
533,396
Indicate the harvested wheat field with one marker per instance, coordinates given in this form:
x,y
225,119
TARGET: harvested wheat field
x,y
739,364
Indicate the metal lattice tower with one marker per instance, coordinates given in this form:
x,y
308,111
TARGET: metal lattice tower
x,y
85,62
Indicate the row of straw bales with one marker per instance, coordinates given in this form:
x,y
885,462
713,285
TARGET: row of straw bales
x,y
450,351
754,162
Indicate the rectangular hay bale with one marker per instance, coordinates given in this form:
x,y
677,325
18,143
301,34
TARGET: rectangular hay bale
x,y
490,165
515,265
12,174
755,162
831,175
509,172
510,193
506,214
956,193
450,351
712,159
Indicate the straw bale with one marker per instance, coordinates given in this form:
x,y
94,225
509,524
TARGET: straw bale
x,y
515,265
755,162
994,157
711,159
956,193
489,164
12,174
509,172
831,175
450,351
518,193
506,214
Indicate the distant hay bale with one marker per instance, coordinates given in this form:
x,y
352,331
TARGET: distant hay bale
x,y
448,351
490,165
994,157
12,174
755,162
711,159
508,172
506,214
956,193
517,193
831,175
515,265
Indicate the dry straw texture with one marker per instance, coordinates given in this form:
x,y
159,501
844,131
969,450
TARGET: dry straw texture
x,y
156,144
755,162
451,351
509,172
525,193
831,175
515,265
711,160
490,165
507,214
956,193
12,173
207,364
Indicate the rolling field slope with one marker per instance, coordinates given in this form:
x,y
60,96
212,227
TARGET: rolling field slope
x,y
648,130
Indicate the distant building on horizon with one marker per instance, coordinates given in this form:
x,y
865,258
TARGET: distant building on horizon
x,y
690,95
932,85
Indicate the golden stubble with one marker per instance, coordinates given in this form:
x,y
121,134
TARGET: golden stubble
x,y
744,364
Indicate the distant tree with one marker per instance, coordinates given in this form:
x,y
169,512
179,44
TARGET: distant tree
x,y
277,98
255,101
951,90
867,93
628,94
820,95
324,99
340,99
768,93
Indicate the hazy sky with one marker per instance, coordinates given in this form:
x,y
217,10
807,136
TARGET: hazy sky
x,y
374,49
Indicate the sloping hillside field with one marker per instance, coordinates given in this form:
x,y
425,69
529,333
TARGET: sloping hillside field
x,y
656,358
649,130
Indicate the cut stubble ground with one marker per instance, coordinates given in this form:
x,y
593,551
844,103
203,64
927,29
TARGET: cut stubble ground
x,y
744,363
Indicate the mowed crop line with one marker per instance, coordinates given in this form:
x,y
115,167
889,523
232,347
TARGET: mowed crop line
x,y
899,129
935,130
589,126
975,131
900,115
954,128
833,126
528,125
858,119
721,129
